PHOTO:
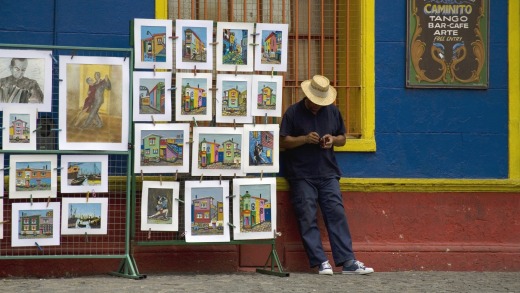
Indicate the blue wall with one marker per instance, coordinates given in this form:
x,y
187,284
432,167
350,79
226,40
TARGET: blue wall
x,y
420,133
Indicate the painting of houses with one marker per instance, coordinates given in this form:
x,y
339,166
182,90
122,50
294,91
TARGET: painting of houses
x,y
233,103
266,96
19,129
271,47
33,176
194,96
192,48
153,44
234,52
35,223
151,96
194,44
206,215
272,50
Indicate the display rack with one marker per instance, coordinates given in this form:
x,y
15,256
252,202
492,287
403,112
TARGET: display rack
x,y
116,243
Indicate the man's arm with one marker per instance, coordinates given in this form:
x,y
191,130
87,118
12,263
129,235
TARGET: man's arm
x,y
290,142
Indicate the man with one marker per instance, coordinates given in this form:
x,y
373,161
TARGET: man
x,y
100,85
309,131
17,88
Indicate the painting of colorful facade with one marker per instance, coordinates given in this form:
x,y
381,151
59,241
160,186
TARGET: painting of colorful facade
x,y
234,98
261,148
162,148
33,176
35,224
19,130
235,46
153,44
194,47
151,96
218,153
207,214
194,96
271,47
255,208
266,96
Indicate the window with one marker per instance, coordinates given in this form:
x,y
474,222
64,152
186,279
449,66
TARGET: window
x,y
333,38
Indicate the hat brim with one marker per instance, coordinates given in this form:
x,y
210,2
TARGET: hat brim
x,y
318,97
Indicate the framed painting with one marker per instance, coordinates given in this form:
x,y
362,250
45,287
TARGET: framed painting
x,y
85,173
254,208
217,151
19,131
233,46
271,49
260,148
162,148
153,44
35,224
266,91
206,206
26,79
160,206
33,176
2,221
82,216
94,106
152,96
193,49
193,97
233,99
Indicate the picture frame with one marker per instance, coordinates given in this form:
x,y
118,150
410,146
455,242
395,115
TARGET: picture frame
x,y
94,102
267,95
152,43
19,125
233,38
162,148
260,152
194,36
36,75
254,208
84,173
206,206
82,216
33,176
152,93
160,206
193,97
35,224
271,49
233,99
217,151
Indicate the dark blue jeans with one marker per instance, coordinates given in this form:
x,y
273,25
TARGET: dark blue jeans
x,y
306,195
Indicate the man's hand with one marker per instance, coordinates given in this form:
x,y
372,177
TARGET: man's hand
x,y
312,138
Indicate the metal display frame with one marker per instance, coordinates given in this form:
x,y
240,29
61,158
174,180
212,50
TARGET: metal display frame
x,y
114,245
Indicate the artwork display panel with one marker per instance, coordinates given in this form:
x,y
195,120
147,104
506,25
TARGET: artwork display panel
x,y
19,131
152,99
271,49
192,48
26,79
94,99
260,148
84,173
234,52
82,216
33,176
35,224
2,198
266,95
233,99
162,148
206,206
160,206
193,97
254,208
152,43
217,151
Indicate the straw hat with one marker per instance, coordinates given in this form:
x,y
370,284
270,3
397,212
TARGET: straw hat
x,y
319,90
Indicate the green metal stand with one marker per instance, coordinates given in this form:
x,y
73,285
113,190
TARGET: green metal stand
x,y
272,259
128,269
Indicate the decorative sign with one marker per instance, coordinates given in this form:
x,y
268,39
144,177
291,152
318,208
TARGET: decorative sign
x,y
447,43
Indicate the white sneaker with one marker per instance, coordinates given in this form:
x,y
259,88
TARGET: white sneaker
x,y
357,268
326,269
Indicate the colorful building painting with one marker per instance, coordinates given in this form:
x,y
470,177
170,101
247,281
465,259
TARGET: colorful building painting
x,y
194,48
193,98
272,45
160,148
19,130
153,48
254,210
29,177
36,224
266,97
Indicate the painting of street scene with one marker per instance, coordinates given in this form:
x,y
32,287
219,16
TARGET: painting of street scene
x,y
84,173
255,208
33,176
151,96
234,98
271,47
194,96
217,151
235,46
35,224
162,148
153,44
266,95
194,44
207,212
271,52
20,128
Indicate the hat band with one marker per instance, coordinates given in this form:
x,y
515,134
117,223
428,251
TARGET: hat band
x,y
320,88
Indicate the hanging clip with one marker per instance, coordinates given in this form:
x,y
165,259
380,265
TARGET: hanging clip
x,y
176,174
202,175
231,225
53,59
31,199
86,237
160,179
272,72
88,194
142,177
277,234
153,120
149,233
220,179
194,70
72,55
154,70
195,122
236,69
38,246
265,118
48,201
179,200
261,174
234,125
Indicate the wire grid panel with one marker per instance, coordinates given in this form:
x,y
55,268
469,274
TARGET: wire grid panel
x,y
113,243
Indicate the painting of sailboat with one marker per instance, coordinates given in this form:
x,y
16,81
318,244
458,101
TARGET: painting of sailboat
x,y
85,173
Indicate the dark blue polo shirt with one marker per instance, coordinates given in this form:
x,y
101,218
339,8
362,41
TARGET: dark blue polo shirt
x,y
310,160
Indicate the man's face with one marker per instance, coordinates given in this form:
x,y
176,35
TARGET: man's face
x,y
19,68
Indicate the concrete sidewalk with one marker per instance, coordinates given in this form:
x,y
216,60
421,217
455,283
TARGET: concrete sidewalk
x,y
296,282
